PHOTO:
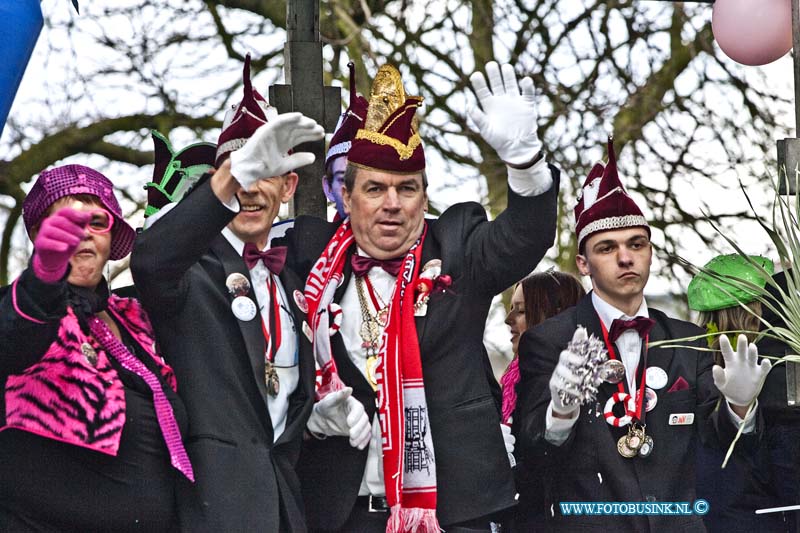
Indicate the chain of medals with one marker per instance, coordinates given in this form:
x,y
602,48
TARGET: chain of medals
x,y
273,341
372,325
637,442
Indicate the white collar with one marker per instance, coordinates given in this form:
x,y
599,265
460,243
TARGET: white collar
x,y
238,244
608,312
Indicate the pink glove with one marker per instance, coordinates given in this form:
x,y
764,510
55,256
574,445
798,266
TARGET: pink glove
x,y
58,237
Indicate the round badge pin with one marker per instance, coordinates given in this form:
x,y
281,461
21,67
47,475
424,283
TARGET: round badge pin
x,y
300,301
243,308
656,377
650,399
237,284
612,371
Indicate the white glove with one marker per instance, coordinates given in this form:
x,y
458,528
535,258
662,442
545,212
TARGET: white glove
x,y
265,154
508,438
508,119
340,415
741,379
564,379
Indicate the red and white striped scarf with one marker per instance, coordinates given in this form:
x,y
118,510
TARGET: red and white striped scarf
x,y
409,467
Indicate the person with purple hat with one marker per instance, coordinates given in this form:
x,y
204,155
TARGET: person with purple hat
x,y
91,435
336,158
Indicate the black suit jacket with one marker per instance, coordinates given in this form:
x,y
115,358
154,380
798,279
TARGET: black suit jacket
x,y
473,474
587,467
245,482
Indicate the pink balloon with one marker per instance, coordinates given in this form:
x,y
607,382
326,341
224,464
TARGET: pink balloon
x,y
753,32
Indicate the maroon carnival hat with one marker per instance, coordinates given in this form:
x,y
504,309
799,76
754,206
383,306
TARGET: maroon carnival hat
x,y
243,119
349,123
603,203
70,180
389,140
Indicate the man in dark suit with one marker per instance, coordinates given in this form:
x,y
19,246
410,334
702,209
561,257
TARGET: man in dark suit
x,y
635,442
227,315
404,302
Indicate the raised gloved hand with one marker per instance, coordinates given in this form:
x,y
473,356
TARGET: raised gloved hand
x,y
340,415
564,380
508,119
266,153
58,237
741,379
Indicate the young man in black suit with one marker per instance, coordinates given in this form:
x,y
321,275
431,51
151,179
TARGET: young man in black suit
x,y
635,442
397,309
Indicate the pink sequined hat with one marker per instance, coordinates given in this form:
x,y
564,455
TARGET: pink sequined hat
x,y
71,180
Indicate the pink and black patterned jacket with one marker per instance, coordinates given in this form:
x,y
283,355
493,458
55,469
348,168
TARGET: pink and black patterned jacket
x,y
71,393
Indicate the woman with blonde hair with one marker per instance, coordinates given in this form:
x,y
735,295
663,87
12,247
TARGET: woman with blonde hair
x,y
764,474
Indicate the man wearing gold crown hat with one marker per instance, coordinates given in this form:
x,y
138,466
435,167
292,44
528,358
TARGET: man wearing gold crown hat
x,y
227,314
634,443
397,306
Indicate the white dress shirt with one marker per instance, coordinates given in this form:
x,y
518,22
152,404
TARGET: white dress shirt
x,y
629,346
286,358
383,284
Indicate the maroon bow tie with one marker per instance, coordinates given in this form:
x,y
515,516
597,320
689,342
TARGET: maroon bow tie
x,y
273,259
640,324
362,264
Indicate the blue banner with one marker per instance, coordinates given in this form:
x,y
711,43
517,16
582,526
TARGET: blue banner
x,y
20,24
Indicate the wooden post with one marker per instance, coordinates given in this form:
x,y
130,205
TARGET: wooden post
x,y
304,92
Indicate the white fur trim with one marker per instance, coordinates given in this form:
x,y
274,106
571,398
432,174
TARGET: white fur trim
x,y
337,149
230,146
624,221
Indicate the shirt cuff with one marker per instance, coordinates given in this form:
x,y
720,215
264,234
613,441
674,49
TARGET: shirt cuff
x,y
557,430
749,420
232,204
531,181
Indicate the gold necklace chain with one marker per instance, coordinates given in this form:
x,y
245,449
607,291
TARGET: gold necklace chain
x,y
369,332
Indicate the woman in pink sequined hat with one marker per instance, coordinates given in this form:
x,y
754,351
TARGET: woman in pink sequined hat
x,y
90,425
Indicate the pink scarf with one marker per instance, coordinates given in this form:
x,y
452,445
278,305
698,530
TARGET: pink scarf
x,y
409,467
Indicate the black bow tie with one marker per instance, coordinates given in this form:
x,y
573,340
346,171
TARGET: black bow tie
x,y
641,324
273,259
362,264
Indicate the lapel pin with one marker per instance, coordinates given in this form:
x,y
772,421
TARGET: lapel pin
x,y
300,301
237,284
612,371
656,377
243,308
650,399
681,419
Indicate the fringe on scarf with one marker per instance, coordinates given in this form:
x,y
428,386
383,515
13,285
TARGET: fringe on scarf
x,y
412,520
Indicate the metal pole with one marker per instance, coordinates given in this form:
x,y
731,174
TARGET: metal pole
x,y
304,91
796,56
789,149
